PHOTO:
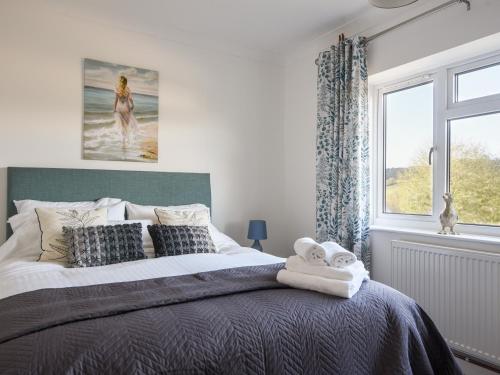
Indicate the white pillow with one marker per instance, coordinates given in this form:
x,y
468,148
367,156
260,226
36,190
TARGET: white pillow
x,y
176,216
29,205
52,220
23,244
26,209
221,240
115,211
147,242
17,221
141,212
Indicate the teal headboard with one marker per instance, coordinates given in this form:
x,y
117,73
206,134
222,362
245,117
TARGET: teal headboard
x,y
68,185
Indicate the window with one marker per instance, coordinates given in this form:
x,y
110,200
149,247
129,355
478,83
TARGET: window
x,y
477,83
440,132
474,166
408,139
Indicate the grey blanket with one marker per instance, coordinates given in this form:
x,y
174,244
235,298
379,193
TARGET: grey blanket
x,y
235,321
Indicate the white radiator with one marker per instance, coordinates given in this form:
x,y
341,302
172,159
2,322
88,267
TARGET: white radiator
x,y
459,289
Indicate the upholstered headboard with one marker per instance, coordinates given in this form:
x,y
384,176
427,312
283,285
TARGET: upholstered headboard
x,y
67,185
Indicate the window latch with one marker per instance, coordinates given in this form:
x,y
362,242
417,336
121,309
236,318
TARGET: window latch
x,y
431,150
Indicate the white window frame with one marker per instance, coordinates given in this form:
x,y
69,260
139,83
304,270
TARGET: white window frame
x,y
465,68
445,110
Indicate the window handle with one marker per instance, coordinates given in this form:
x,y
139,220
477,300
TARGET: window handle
x,y
431,150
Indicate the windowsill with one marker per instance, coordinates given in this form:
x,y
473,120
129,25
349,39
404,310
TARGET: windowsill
x,y
491,240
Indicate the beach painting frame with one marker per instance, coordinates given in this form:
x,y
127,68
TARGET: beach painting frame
x,y
120,112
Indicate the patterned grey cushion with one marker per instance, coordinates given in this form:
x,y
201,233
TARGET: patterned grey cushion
x,y
104,244
171,240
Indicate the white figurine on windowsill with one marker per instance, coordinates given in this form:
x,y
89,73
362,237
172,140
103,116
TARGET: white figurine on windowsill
x,y
449,216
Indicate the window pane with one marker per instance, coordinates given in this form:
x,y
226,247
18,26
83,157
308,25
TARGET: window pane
x,y
408,137
478,83
475,168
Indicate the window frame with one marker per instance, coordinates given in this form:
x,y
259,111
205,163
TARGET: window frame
x,y
405,85
446,109
448,159
463,68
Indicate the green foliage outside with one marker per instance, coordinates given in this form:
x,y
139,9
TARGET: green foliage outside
x,y
475,185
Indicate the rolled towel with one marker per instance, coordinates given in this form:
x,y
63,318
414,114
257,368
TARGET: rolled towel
x,y
310,250
337,256
345,289
298,264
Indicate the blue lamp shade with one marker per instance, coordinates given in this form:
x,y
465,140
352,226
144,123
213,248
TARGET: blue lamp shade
x,y
257,231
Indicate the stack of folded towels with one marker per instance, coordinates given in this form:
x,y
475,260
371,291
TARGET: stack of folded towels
x,y
325,268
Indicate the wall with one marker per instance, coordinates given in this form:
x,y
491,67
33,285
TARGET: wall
x,y
219,113
438,32
247,121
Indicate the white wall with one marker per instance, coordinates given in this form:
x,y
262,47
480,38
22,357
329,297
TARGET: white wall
x,y
441,31
219,113
249,122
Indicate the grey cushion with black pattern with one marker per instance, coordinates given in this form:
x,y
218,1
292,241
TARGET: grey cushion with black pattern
x,y
104,244
170,240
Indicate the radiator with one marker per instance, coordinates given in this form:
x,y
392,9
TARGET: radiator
x,y
459,289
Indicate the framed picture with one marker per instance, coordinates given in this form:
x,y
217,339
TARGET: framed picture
x,y
120,112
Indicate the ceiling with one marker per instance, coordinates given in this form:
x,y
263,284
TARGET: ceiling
x,y
262,25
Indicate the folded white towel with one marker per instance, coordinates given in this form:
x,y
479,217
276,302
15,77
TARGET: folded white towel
x,y
297,264
345,289
310,250
337,256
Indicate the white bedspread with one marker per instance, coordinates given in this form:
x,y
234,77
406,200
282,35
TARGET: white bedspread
x,y
20,272
18,276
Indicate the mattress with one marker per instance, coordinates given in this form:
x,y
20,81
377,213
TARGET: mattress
x,y
221,313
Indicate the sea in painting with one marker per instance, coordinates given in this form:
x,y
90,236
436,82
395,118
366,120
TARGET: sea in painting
x,y
120,119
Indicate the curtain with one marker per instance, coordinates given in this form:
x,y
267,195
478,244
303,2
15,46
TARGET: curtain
x,y
342,148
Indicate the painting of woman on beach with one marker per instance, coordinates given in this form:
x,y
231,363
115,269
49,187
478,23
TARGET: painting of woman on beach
x,y
120,120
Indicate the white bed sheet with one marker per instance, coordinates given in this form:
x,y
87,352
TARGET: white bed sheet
x,y
22,275
20,272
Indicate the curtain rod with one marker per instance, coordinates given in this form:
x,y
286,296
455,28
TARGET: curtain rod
x,y
417,17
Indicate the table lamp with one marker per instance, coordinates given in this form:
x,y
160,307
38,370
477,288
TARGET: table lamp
x,y
257,231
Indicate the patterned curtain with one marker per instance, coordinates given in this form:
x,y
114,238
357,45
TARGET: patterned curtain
x,y
342,148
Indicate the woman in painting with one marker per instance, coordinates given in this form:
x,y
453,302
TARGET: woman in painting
x,y
124,107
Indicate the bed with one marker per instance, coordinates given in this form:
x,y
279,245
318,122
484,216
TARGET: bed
x,y
221,313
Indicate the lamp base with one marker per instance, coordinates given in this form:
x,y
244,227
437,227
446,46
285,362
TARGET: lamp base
x,y
256,245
